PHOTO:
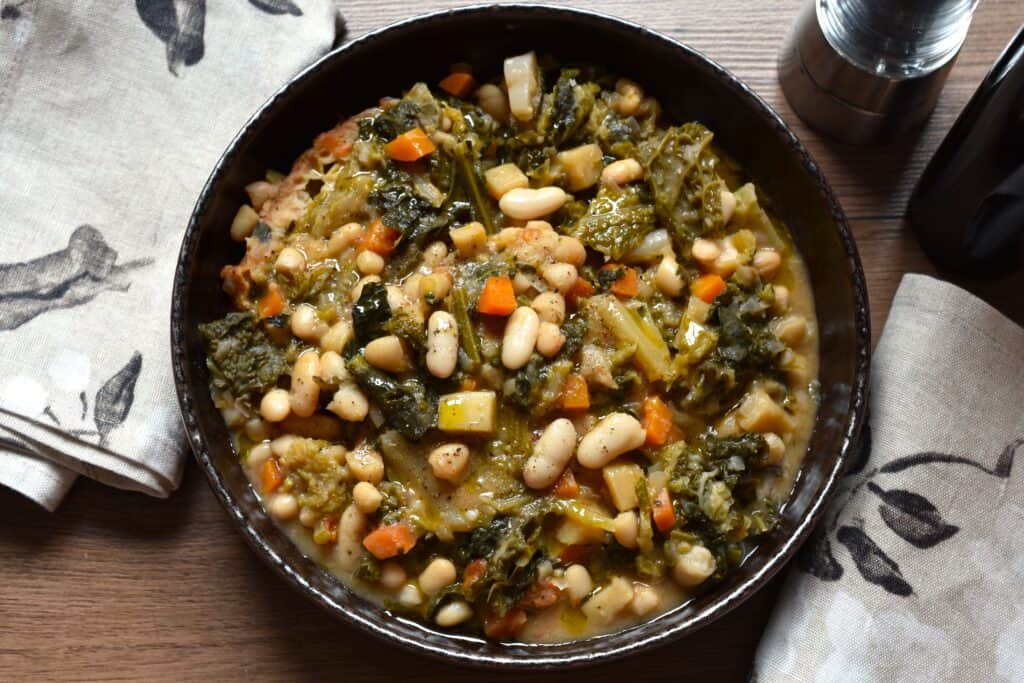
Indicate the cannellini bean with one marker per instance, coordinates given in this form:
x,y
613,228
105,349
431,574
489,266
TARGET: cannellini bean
x,y
570,250
275,405
526,203
369,263
344,237
449,461
501,179
550,339
705,251
469,239
560,276
365,464
435,254
284,506
258,455
305,392
308,517
409,596
645,600
336,337
767,262
667,276
392,576
614,435
578,583
655,245
625,529
630,95
781,303
551,453
622,172
233,417
728,206
792,329
520,337
522,283
366,497
349,548
492,100
453,614
349,403
332,369
306,324
357,291
776,448
244,223
550,307
388,354
435,286
260,192
442,344
522,86
438,574
282,444
290,262
693,567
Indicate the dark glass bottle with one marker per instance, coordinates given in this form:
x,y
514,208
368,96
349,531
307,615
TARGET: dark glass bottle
x,y
968,207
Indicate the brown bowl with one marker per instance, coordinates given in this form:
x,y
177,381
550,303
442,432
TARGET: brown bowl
x,y
690,87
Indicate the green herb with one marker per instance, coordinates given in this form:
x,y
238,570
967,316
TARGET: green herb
x,y
241,357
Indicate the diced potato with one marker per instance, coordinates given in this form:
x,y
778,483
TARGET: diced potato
x,y
467,412
760,413
574,532
621,478
582,166
501,179
244,223
469,239
603,607
523,85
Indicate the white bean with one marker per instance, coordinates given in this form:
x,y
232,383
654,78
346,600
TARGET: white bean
x,y
520,337
349,548
370,263
560,276
449,461
308,517
728,206
349,403
409,596
614,435
388,354
305,392
366,497
284,506
551,454
442,344
336,337
306,324
257,429
526,203
344,237
578,583
258,455
622,172
244,223
781,303
550,306
434,254
625,529
570,250
392,576
792,329
705,251
767,262
260,192
776,448
694,567
667,276
365,464
332,369
492,100
290,262
645,600
275,405
282,444
550,339
438,574
453,614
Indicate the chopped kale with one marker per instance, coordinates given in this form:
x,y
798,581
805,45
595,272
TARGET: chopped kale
x,y
569,105
410,406
392,122
681,170
241,357
616,221
371,313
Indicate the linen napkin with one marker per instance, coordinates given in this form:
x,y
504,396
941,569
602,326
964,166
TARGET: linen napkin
x,y
914,573
111,117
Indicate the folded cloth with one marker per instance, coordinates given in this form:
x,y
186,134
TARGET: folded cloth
x,y
914,572
111,118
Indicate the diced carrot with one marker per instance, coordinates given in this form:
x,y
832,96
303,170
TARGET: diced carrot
x,y
498,297
575,554
628,283
389,540
410,146
663,513
272,303
566,486
334,143
271,476
581,290
657,421
505,626
707,287
473,572
458,84
379,238
575,394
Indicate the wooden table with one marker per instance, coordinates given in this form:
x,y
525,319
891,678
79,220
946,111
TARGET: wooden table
x,y
115,585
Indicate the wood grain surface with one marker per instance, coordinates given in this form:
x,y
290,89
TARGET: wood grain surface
x,y
118,586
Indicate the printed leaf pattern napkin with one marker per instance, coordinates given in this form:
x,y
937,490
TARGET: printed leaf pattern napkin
x,y
914,574
111,117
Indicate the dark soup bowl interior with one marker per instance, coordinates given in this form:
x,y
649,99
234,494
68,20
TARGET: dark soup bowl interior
x,y
690,87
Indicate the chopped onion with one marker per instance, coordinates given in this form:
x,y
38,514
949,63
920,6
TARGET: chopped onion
x,y
651,249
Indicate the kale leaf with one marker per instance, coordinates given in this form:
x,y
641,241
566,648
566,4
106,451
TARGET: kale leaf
x,y
392,122
371,313
410,406
616,221
241,357
681,171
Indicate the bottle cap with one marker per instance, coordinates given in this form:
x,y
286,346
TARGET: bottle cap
x,y
845,101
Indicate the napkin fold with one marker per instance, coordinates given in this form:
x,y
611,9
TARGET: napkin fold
x,y
914,572
111,118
